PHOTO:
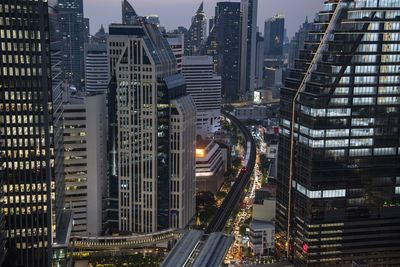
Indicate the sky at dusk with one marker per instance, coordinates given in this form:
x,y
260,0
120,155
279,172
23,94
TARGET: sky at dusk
x,y
174,13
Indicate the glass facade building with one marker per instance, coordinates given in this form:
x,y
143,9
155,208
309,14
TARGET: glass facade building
x,y
30,125
338,195
274,30
197,32
248,47
223,44
128,13
154,179
74,35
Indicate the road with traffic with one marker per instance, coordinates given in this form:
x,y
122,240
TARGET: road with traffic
x,y
225,210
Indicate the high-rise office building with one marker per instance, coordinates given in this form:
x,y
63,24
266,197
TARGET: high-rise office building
x,y
86,30
338,195
248,46
197,31
177,43
72,29
259,69
223,44
153,18
297,42
96,68
128,13
153,157
205,88
182,195
30,119
85,161
100,37
274,30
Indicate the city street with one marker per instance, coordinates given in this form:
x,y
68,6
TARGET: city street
x,y
237,253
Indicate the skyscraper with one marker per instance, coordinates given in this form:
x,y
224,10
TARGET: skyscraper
x,y
85,140
96,68
86,30
128,13
153,18
100,37
223,44
274,30
297,42
30,119
197,31
155,131
72,29
259,70
205,88
177,43
248,45
338,195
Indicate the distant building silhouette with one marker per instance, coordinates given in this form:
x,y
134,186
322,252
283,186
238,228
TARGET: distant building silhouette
x,y
74,35
223,44
197,32
128,13
248,46
274,30
297,42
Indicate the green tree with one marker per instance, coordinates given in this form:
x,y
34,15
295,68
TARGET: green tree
x,y
242,229
236,162
221,194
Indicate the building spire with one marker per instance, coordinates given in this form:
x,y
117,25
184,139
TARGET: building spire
x,y
201,7
128,13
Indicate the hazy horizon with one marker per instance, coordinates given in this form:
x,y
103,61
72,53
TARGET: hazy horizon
x,y
109,11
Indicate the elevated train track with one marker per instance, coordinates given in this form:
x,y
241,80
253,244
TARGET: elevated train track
x,y
225,210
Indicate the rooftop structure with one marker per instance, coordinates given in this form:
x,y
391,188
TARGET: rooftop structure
x,y
183,249
214,250
209,166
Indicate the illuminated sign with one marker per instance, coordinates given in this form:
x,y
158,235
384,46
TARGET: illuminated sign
x,y
257,97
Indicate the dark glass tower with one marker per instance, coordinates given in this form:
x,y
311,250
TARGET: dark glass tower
x,y
248,45
338,195
197,31
72,28
297,42
128,13
274,31
223,44
31,132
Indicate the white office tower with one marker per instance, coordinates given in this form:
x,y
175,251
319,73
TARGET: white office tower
x,y
151,107
177,43
183,171
205,88
96,69
85,160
